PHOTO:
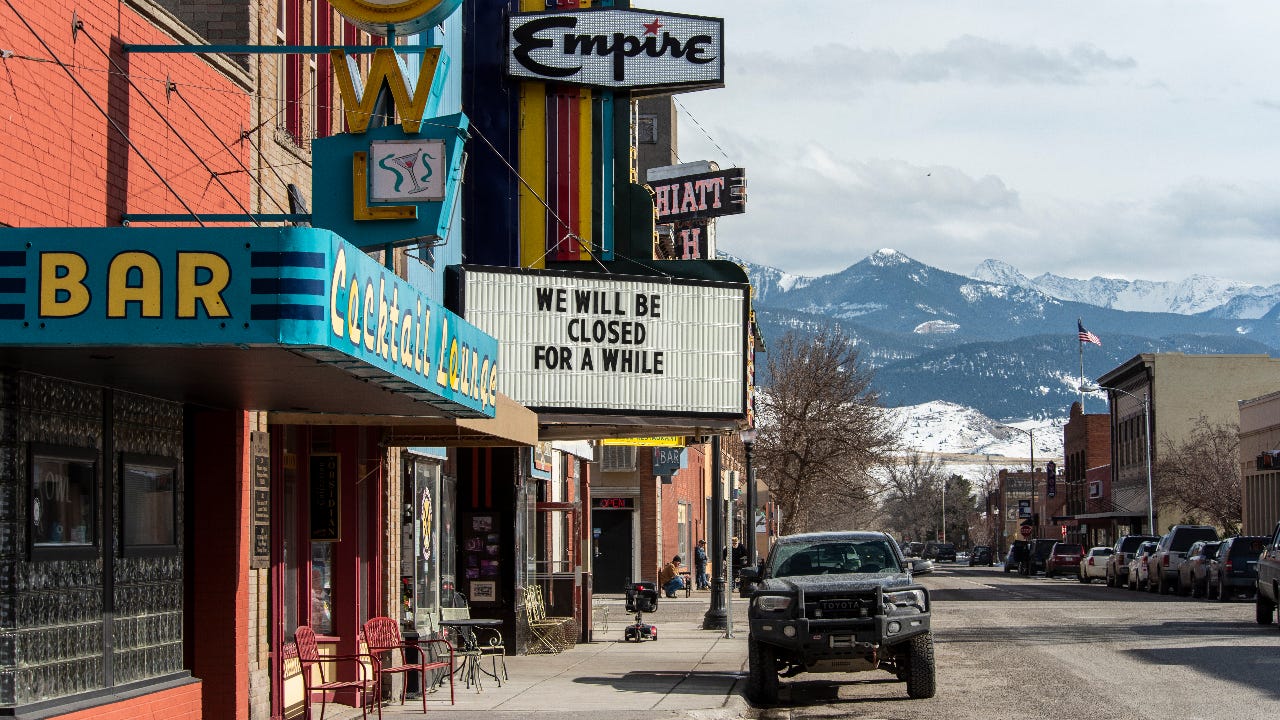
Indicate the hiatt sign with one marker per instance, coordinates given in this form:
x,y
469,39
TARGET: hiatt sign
x,y
637,49
608,344
701,196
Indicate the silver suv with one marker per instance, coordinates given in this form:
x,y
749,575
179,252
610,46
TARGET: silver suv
x,y
1118,563
1171,551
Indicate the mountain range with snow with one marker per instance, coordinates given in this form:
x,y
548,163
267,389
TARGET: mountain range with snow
x,y
1002,343
1190,296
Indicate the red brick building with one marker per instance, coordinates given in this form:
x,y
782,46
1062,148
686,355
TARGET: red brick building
x,y
1087,451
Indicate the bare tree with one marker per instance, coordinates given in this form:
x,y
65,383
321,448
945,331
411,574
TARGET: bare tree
x,y
911,496
985,528
822,433
1201,474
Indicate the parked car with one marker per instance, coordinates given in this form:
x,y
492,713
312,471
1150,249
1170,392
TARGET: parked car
x,y
1016,556
919,565
1037,554
1118,563
1139,568
1194,571
1063,557
1268,583
1172,551
1235,567
981,555
939,552
1093,566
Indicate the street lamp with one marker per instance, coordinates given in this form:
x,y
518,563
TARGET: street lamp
x,y
1146,420
748,437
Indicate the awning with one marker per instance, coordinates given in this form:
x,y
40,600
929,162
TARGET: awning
x,y
292,320
513,425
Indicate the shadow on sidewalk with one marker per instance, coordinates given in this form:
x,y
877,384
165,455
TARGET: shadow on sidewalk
x,y
673,681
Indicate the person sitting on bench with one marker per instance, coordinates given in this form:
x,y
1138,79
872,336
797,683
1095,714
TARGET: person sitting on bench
x,y
669,577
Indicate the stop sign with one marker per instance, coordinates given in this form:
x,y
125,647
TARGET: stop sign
x,y
1025,530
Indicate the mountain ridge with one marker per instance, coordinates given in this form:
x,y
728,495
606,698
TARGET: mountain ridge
x,y
1007,348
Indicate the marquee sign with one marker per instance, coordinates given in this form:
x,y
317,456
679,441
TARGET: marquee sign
x,y
612,344
607,48
701,196
305,289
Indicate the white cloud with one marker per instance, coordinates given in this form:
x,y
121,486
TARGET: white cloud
x,y
1090,138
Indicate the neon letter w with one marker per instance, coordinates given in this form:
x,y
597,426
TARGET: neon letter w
x,y
385,67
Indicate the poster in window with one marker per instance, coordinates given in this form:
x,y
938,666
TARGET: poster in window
x,y
326,506
484,591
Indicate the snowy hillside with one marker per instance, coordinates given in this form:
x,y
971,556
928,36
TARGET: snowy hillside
x,y
970,443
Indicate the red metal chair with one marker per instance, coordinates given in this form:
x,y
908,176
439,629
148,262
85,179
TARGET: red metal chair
x,y
366,677
382,635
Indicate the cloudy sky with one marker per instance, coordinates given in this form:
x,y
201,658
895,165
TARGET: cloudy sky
x,y
1132,138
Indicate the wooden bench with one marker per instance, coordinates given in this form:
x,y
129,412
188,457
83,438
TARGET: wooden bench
x,y
550,634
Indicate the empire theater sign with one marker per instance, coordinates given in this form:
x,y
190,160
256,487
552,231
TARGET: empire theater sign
x,y
635,49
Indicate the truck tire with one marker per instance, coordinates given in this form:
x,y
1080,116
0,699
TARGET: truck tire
x,y
762,673
922,679
1262,608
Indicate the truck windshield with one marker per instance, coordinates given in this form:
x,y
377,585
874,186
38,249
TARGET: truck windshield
x,y
833,557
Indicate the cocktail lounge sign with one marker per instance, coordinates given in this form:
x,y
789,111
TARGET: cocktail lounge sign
x,y
637,49
305,289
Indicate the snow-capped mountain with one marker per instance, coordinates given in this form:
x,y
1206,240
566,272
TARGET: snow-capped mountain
x,y
767,280
945,428
1193,295
1002,346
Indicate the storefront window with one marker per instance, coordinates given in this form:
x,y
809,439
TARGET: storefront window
x,y
448,534
149,509
420,552
321,589
683,531
63,488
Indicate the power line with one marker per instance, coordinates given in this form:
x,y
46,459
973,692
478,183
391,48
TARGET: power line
x,y
79,25
698,125
102,111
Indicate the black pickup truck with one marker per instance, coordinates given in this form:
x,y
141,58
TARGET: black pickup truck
x,y
837,602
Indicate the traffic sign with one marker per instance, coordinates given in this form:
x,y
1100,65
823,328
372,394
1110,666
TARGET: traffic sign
x,y
1025,530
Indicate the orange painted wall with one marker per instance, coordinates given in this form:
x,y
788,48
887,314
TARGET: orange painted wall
x,y
180,703
64,165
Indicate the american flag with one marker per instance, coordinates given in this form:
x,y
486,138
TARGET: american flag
x,y
1086,336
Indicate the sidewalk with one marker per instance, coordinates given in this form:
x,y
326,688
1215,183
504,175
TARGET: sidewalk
x,y
687,673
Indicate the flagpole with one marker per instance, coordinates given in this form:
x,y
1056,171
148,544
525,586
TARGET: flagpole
x,y
1080,345
1080,387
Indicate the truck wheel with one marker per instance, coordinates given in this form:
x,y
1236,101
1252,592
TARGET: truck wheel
x,y
922,681
762,674
1262,609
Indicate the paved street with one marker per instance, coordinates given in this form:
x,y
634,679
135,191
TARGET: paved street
x,y
1007,647
1013,647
